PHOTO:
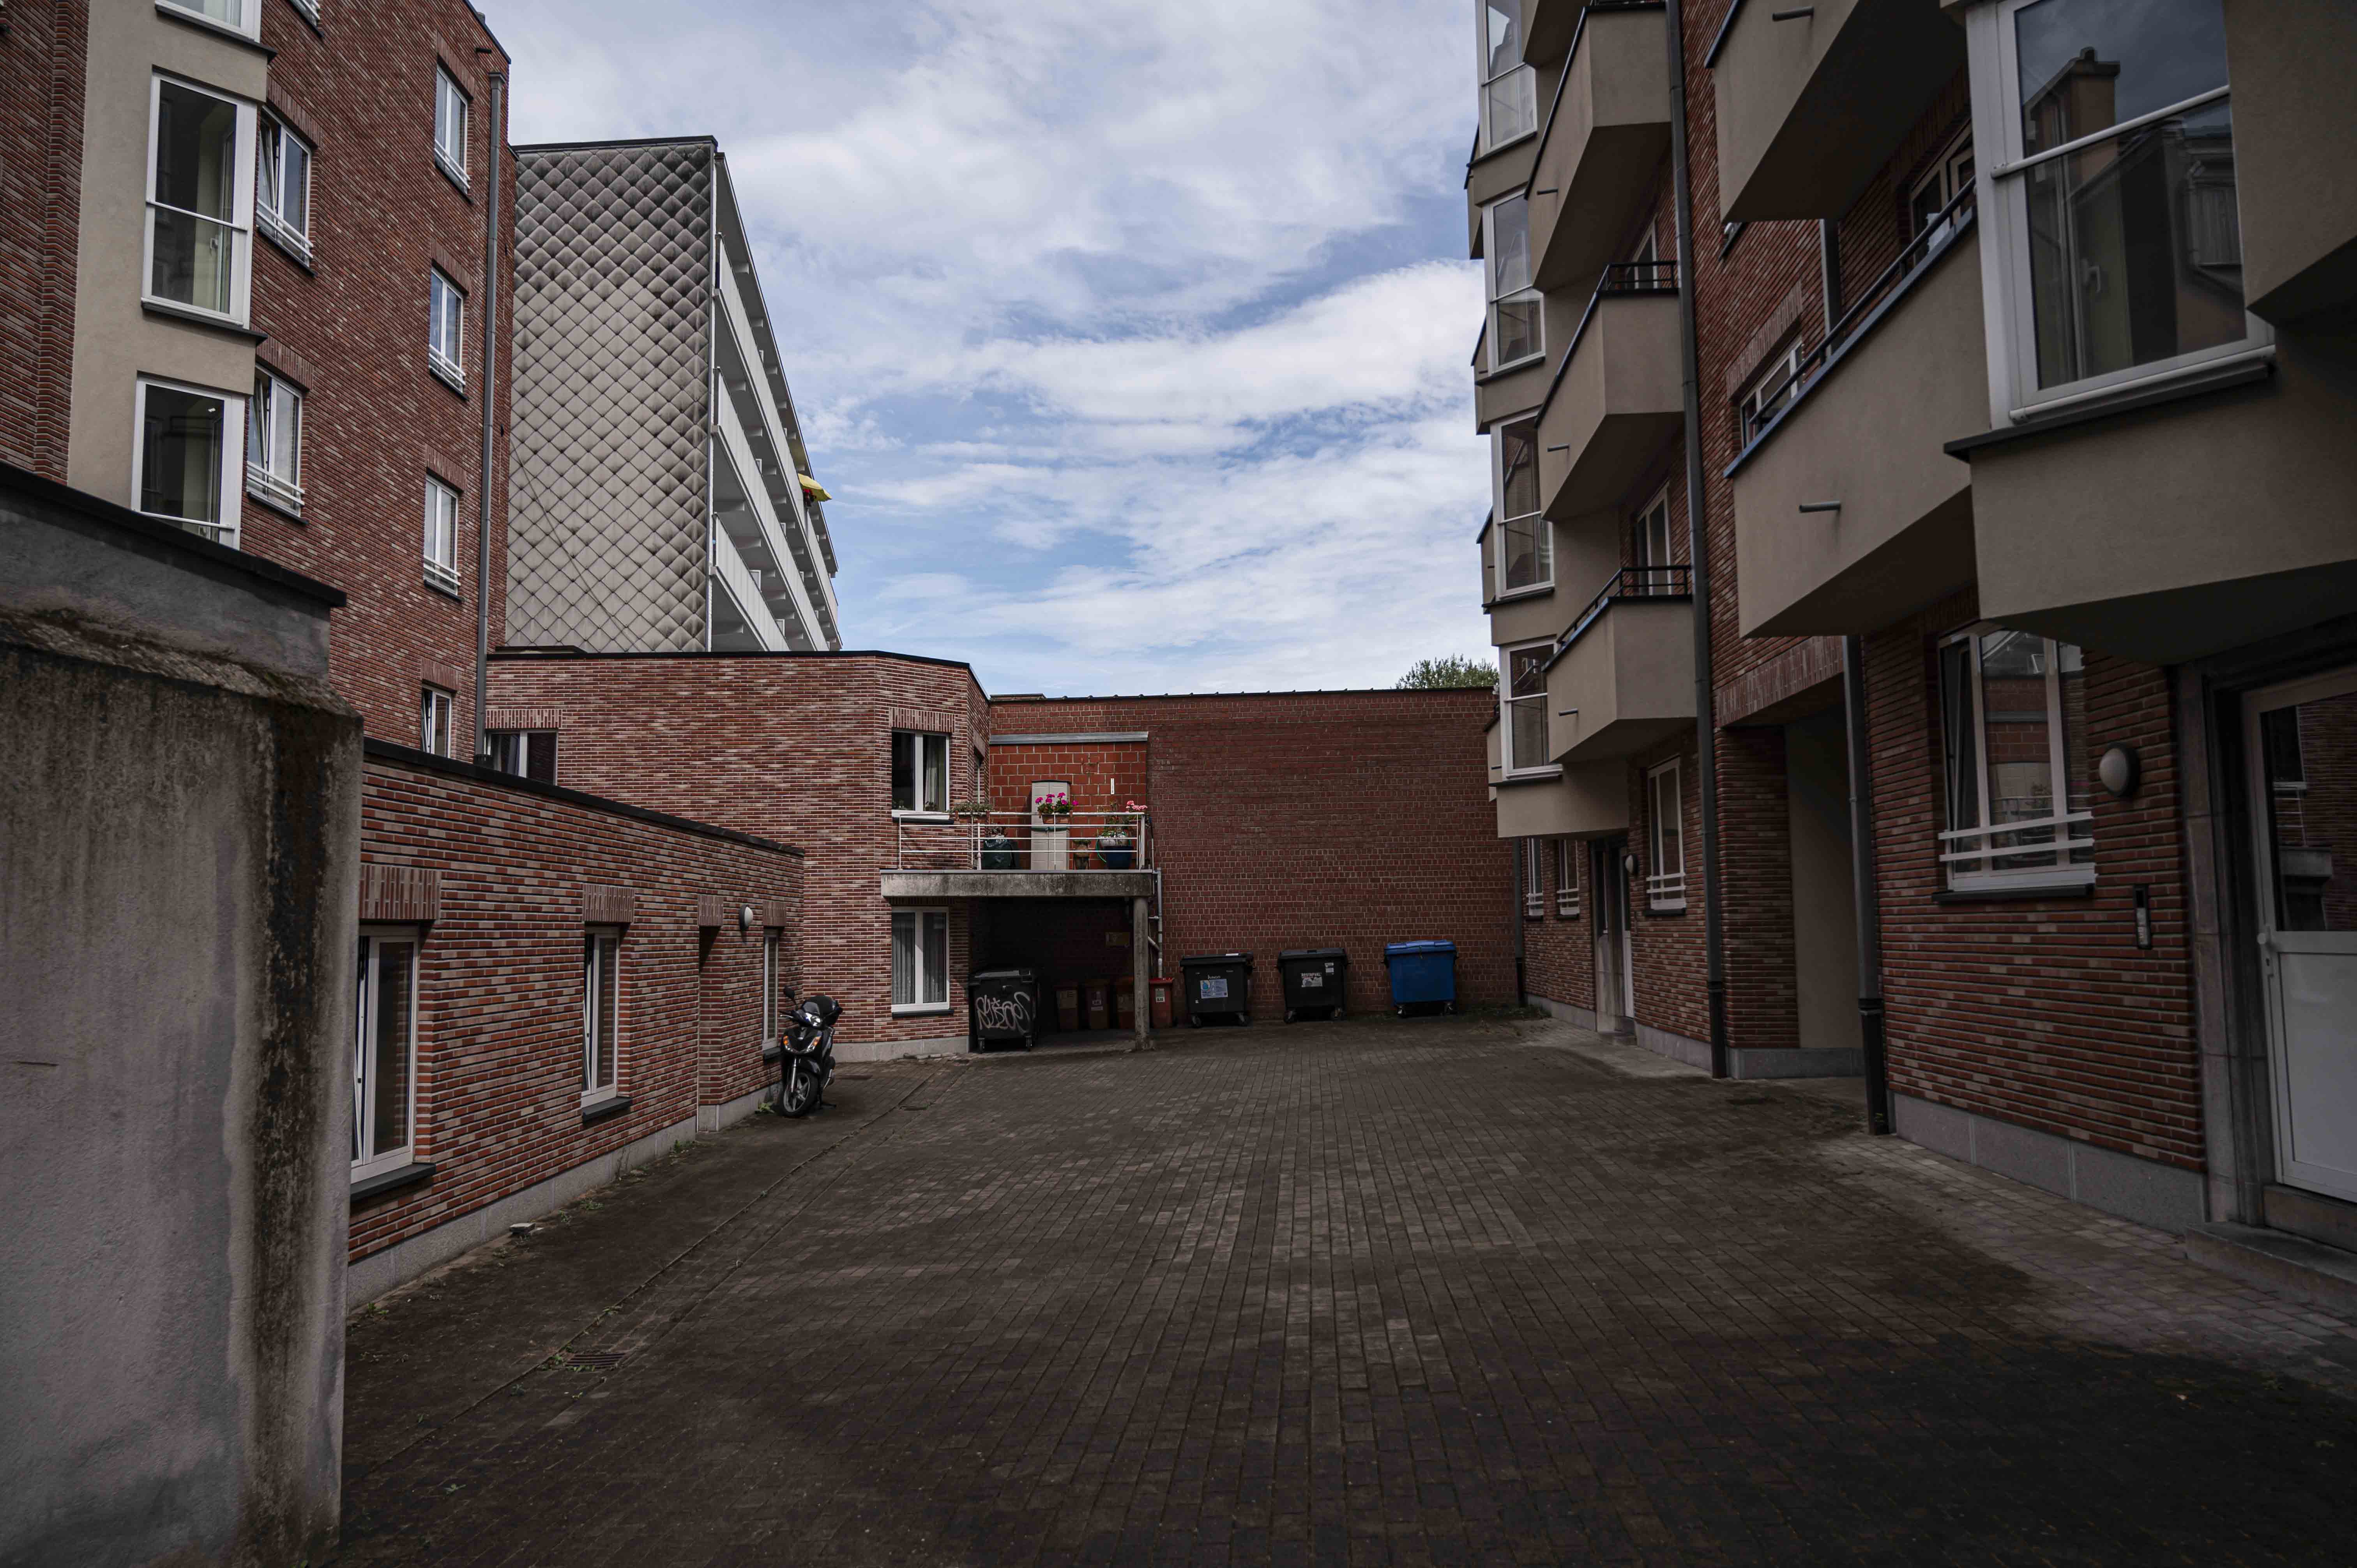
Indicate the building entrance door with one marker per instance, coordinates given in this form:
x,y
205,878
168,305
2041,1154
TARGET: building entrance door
x,y
2302,742
1616,1003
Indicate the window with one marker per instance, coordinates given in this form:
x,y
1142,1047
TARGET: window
x,y
384,1053
282,202
1533,881
449,126
601,1013
1765,395
434,710
1508,88
441,535
1525,544
920,771
235,15
445,336
199,201
920,960
1652,546
2012,706
274,442
772,1023
1567,879
310,9
180,470
1950,176
1525,696
526,753
2115,239
1517,321
1665,887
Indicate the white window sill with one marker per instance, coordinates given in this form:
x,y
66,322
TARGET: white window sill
x,y
919,1009
899,815
1515,775
1667,906
1510,366
1566,911
197,314
382,1164
2190,377
1527,591
451,375
2032,882
599,1097
197,19
452,172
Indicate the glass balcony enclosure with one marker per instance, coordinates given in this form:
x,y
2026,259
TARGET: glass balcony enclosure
x,y
1508,88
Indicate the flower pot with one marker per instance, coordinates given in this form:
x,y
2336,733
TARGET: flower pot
x,y
1117,856
998,853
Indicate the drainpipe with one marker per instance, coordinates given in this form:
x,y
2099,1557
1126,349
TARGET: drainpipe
x,y
1697,536
1863,892
1521,970
490,427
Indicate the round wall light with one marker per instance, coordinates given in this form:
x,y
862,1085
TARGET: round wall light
x,y
744,917
2120,770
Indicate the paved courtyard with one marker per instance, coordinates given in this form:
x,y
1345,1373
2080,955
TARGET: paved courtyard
x,y
1457,1291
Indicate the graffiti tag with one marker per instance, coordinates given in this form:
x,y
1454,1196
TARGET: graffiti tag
x,y
1005,1014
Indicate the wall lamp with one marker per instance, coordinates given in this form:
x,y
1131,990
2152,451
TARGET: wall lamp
x,y
744,917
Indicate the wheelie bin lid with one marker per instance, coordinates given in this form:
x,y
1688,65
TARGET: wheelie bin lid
x,y
1218,958
1408,950
1027,976
1313,953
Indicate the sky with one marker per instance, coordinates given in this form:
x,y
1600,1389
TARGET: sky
x,y
1131,337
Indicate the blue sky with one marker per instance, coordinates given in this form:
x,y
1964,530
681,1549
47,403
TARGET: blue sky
x,y
1131,336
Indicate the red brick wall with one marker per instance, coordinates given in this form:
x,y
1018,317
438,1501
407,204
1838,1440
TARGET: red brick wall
x,y
499,1030
1559,950
42,70
352,328
791,746
2041,1010
1319,819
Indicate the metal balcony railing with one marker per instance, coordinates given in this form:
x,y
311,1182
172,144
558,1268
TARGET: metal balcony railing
x,y
1629,583
1019,841
1619,279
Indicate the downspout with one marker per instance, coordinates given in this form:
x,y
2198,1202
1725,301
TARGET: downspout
x,y
1714,938
1863,890
499,135
1522,926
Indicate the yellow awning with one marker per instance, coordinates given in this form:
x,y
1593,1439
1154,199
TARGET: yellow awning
x,y
813,488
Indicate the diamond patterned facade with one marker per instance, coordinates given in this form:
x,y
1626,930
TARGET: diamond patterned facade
x,y
608,531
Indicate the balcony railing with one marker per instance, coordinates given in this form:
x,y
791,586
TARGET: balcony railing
x,y
1913,259
1666,890
1619,279
1629,583
1016,840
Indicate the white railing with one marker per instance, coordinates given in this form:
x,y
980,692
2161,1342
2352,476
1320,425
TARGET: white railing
x,y
1666,890
286,497
1567,903
2062,838
1018,840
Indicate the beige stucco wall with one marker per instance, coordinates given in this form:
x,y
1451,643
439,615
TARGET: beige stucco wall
x,y
2295,152
115,341
1618,400
1630,676
1870,435
1604,148
1824,908
1588,800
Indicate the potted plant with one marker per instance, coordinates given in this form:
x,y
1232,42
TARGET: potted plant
x,y
1117,845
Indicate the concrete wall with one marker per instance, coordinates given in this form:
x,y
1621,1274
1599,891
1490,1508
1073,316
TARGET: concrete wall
x,y
178,870
2296,146
1824,905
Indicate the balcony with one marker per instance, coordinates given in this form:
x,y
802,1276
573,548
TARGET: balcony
x,y
1848,515
1814,99
2291,121
1615,397
1622,674
742,506
1013,854
1601,147
1501,394
1582,800
741,621
747,367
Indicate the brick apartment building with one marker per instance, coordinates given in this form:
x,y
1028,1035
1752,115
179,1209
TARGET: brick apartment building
x,y
2001,360
264,225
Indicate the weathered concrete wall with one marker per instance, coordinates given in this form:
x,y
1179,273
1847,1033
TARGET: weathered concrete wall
x,y
179,880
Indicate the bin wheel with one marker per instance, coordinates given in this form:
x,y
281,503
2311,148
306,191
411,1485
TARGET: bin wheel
x,y
1288,1014
1193,1022
1448,1007
1401,1010
1027,1042
1243,1020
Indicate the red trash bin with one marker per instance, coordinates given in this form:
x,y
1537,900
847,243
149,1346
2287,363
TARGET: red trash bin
x,y
1161,1007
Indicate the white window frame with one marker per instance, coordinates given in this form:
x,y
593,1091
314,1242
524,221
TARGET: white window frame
x,y
1567,878
918,920
241,221
1533,881
368,1160
919,809
436,718
443,295
1961,848
2014,397
269,219
1524,291
601,961
1512,765
1485,82
1769,390
1945,179
1656,529
1665,830
1501,527
451,102
248,24
440,543
277,404
233,417
310,9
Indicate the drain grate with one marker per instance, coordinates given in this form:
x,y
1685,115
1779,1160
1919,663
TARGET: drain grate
x,y
595,1360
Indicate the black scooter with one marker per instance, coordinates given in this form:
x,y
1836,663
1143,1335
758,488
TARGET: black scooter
x,y
806,1055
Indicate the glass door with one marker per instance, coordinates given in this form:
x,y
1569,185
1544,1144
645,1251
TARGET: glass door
x,y
2302,742
1608,877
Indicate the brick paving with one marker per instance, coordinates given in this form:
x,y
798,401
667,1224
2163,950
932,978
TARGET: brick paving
x,y
1464,1291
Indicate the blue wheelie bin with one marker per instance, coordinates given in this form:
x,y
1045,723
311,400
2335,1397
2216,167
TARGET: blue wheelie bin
x,y
1422,973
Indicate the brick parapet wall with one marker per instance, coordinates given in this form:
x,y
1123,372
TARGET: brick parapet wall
x,y
353,327
43,67
500,980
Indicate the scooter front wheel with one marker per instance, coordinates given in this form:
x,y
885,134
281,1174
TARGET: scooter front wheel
x,y
799,1091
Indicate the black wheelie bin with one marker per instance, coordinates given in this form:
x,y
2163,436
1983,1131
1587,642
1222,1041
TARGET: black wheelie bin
x,y
1219,987
1312,979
